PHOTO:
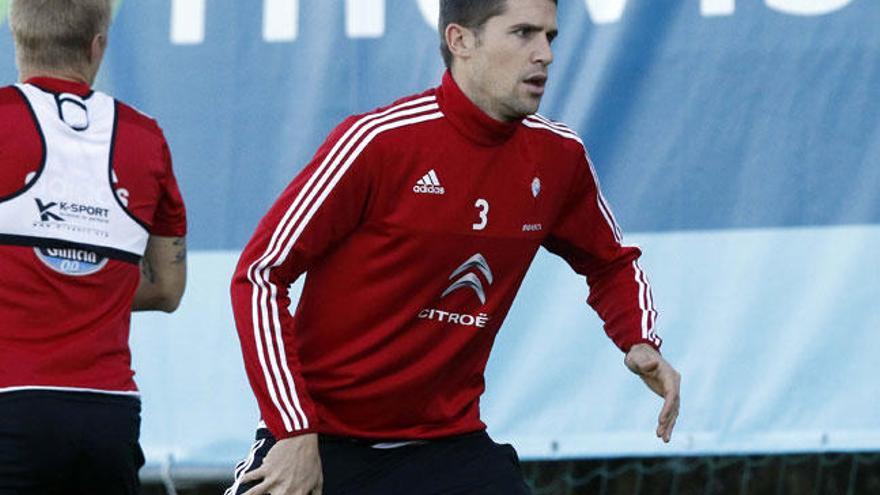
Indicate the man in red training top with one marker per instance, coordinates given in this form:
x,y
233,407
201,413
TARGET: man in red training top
x,y
87,194
416,224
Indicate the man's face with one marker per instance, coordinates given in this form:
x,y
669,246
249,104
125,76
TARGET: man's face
x,y
510,59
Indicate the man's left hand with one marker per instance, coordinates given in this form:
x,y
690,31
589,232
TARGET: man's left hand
x,y
660,377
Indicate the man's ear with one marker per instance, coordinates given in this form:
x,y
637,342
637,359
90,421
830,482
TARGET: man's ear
x,y
460,40
97,48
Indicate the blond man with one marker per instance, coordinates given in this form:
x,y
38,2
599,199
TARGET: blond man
x,y
92,226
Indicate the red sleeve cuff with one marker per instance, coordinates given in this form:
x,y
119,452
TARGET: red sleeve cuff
x,y
626,345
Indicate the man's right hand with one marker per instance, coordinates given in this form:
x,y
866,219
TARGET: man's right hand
x,y
292,467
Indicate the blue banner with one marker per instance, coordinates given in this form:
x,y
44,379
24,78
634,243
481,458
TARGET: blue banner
x,y
707,114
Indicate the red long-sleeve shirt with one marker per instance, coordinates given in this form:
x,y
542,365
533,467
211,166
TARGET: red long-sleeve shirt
x,y
416,224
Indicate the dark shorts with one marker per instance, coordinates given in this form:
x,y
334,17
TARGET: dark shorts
x,y
69,443
469,464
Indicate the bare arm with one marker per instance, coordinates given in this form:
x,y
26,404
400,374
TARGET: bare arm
x,y
163,275
660,377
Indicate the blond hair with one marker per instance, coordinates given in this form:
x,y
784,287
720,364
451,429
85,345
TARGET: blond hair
x,y
57,34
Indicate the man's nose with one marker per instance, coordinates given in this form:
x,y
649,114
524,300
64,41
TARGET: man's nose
x,y
543,53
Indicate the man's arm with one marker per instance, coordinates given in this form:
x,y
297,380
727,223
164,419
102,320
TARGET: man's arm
x,y
163,275
589,239
317,210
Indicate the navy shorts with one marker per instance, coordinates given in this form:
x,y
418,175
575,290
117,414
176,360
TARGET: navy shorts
x,y
470,464
71,443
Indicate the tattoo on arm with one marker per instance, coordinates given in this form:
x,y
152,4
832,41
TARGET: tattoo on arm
x,y
180,256
147,270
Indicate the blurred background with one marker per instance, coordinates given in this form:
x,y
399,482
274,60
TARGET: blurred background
x,y
737,141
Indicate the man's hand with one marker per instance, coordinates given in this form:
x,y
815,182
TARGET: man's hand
x,y
292,467
660,377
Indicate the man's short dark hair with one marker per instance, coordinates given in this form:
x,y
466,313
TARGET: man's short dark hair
x,y
471,14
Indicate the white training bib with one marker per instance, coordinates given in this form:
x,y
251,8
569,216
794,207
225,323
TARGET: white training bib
x,y
68,211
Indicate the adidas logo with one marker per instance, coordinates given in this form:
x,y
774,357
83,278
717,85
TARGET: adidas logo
x,y
429,184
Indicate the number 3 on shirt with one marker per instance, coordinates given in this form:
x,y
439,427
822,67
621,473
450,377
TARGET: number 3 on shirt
x,y
483,210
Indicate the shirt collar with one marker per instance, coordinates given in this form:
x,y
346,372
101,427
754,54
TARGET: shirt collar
x,y
468,118
55,85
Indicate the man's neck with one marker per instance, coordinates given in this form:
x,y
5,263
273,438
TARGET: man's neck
x,y
26,74
460,76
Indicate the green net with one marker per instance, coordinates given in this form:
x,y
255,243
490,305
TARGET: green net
x,y
844,474
807,474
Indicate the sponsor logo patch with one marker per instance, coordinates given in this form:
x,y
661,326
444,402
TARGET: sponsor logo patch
x,y
464,277
71,261
60,211
46,213
429,184
467,320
